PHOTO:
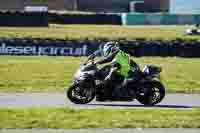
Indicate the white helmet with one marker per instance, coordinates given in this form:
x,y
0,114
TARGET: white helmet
x,y
108,47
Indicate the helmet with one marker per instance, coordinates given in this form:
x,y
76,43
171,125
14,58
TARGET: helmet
x,y
108,48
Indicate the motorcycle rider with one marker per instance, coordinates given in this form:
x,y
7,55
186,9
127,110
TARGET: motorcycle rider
x,y
194,30
120,64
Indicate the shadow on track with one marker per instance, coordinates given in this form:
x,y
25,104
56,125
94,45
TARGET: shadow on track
x,y
141,106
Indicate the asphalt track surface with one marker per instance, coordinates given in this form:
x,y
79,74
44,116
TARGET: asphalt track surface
x,y
178,101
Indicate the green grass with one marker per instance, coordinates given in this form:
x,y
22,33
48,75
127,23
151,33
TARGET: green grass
x,y
98,32
98,118
42,74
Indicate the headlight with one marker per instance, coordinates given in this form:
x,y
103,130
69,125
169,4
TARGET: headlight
x,y
79,75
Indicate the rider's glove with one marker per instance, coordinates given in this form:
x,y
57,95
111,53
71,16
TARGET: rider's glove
x,y
95,63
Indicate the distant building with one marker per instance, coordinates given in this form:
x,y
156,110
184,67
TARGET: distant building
x,y
157,5
124,5
91,5
105,5
11,4
18,5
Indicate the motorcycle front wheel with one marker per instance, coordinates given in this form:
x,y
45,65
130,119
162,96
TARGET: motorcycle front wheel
x,y
80,96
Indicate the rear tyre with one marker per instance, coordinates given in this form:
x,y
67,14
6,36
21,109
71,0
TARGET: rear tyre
x,y
77,96
151,93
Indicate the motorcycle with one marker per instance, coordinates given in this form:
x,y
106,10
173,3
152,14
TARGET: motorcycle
x,y
88,84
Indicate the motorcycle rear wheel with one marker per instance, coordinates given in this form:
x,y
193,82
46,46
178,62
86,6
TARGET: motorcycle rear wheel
x,y
154,93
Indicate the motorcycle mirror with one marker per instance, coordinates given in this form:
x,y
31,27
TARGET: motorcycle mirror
x,y
91,57
92,60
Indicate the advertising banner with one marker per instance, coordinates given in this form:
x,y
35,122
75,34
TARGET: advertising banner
x,y
137,48
51,48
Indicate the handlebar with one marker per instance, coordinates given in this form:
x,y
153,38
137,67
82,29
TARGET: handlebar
x,y
90,58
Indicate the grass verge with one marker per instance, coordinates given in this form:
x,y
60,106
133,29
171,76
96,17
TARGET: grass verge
x,y
98,32
41,74
101,118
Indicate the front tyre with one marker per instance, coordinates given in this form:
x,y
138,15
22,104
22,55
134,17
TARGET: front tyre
x,y
151,93
80,96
